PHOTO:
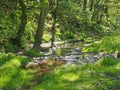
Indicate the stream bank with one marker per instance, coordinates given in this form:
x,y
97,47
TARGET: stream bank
x,y
70,54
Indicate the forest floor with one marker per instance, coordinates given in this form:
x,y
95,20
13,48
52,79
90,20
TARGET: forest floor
x,y
70,59
65,67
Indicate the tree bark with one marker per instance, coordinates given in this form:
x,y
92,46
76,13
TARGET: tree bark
x,y
54,15
53,33
85,5
91,4
40,29
22,26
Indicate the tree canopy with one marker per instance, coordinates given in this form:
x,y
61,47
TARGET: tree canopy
x,y
26,21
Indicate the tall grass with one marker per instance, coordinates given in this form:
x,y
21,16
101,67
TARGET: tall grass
x,y
107,44
87,77
13,76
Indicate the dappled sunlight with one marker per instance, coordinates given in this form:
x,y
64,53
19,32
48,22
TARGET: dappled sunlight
x,y
21,78
93,47
86,77
62,51
70,77
4,58
118,66
59,45
3,80
84,86
15,62
12,76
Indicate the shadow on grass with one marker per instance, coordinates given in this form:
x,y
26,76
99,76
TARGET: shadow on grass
x,y
5,58
33,53
12,75
87,77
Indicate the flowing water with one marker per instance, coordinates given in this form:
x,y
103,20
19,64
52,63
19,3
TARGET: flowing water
x,y
71,54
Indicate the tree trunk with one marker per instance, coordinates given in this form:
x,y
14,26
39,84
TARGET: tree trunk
x,y
85,5
22,26
91,4
40,29
53,33
54,14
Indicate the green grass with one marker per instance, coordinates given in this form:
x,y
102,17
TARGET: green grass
x,y
108,61
87,77
94,47
13,76
102,75
106,44
62,51
33,53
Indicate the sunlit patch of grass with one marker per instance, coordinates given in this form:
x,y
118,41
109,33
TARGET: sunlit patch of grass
x,y
12,74
103,75
106,44
110,44
118,66
70,77
94,47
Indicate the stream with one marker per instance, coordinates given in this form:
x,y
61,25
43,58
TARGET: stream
x,y
71,54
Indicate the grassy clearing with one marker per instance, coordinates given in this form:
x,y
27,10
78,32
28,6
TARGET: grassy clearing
x,y
13,75
100,76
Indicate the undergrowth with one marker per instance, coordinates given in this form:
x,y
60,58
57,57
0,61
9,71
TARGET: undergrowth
x,y
99,76
33,53
13,75
102,75
107,44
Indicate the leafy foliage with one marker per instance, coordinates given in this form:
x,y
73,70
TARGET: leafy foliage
x,y
23,22
107,44
110,44
74,20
